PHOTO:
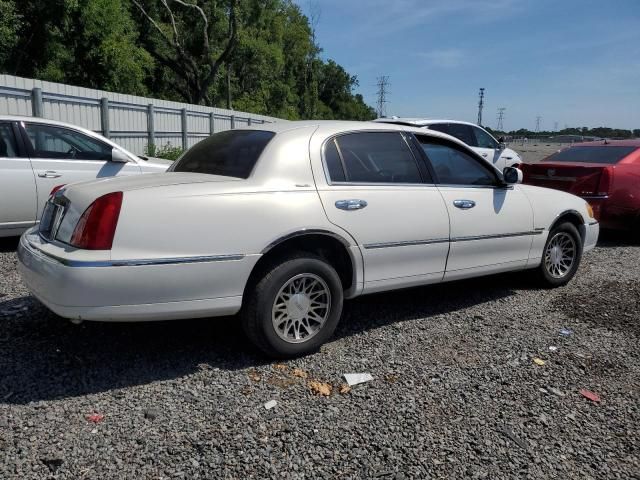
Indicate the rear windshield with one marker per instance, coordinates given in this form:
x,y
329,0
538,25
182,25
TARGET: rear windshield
x,y
233,153
603,154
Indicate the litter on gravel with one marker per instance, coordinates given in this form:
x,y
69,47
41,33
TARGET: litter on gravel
x,y
565,332
357,378
538,361
594,397
95,417
270,404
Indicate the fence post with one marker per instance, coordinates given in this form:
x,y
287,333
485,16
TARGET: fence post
x,y
151,131
212,126
36,102
233,121
104,116
248,121
184,128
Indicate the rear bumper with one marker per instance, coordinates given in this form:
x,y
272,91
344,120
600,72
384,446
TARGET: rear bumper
x,y
121,292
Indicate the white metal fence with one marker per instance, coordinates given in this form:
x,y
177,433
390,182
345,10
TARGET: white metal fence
x,y
133,122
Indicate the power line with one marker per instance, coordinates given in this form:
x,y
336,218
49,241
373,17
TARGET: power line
x,y
500,125
480,105
383,91
538,118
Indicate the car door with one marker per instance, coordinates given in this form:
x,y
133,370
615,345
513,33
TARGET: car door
x,y
376,187
17,183
61,155
491,223
487,147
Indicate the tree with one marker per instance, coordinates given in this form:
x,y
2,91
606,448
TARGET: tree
x,y
187,40
10,22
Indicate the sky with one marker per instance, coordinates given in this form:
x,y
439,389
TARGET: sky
x,y
574,62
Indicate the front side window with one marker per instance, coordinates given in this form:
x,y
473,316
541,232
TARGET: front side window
x,y
50,141
376,157
483,139
8,146
233,153
456,167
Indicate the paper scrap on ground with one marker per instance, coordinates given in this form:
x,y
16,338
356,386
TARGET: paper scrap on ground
x,y
538,361
270,404
356,378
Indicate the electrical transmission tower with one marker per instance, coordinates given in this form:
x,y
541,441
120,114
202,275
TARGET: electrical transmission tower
x,y
500,125
555,126
480,105
383,91
538,118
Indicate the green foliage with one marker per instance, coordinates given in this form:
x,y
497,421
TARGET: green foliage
x,y
264,49
601,132
10,22
166,151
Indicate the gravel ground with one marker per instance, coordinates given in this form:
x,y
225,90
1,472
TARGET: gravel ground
x,y
456,392
534,151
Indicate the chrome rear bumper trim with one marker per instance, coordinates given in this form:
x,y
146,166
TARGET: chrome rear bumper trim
x,y
128,263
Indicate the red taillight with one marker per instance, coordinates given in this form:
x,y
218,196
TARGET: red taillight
x,y
55,189
97,225
605,181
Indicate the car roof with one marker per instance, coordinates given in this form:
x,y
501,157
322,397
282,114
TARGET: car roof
x,y
420,122
332,127
609,143
24,118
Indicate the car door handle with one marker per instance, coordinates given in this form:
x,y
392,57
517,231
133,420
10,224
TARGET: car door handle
x,y
353,204
49,174
464,204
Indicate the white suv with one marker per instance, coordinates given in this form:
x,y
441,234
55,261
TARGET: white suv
x,y
476,137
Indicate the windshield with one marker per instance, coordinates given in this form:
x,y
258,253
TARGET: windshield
x,y
601,154
233,153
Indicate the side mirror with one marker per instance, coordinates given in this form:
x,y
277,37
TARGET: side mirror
x,y
118,156
502,145
512,175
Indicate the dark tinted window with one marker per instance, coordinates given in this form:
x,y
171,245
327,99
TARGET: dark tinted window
x,y
233,153
51,141
455,167
334,164
597,154
7,141
378,157
439,127
462,132
483,139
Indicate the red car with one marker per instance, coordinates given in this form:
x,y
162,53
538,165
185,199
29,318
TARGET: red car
x,y
605,173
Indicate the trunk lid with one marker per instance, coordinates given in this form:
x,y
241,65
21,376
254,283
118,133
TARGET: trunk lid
x,y
582,179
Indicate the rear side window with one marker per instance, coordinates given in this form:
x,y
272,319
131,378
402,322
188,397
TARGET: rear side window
x,y
462,132
601,154
455,167
233,153
377,157
8,146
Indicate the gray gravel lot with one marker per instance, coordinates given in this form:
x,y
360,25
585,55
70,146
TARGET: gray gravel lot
x,y
455,394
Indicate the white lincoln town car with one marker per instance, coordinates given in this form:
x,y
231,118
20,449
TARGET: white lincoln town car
x,y
282,222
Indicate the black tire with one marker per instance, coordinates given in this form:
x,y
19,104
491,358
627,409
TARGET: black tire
x,y
549,277
256,314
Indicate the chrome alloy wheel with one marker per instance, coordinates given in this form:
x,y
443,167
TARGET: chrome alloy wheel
x,y
560,255
301,308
